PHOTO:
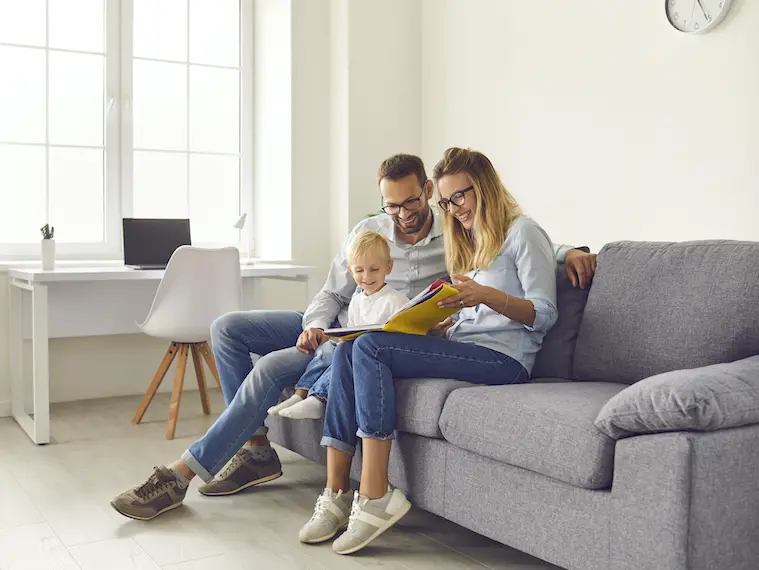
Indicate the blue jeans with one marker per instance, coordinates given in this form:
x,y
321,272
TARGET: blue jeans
x,y
362,394
317,375
248,391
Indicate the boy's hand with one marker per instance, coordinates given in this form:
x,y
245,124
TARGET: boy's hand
x,y
310,339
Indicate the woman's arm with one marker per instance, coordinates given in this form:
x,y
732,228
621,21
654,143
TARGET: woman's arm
x,y
515,308
536,270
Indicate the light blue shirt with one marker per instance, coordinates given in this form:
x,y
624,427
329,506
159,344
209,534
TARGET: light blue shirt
x,y
414,268
526,268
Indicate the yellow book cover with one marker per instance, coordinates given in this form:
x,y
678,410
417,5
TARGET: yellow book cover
x,y
417,316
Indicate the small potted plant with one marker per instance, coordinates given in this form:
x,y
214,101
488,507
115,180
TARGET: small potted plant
x,y
48,247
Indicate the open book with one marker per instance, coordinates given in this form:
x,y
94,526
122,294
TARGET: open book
x,y
417,316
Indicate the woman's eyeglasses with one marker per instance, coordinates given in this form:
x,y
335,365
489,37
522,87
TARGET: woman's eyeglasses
x,y
457,199
410,205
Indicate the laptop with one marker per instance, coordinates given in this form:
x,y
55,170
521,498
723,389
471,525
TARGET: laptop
x,y
149,243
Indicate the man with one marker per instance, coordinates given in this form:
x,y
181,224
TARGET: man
x,y
286,340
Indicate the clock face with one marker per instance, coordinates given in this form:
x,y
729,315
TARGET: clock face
x,y
696,16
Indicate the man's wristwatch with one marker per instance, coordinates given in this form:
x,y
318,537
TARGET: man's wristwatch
x,y
584,248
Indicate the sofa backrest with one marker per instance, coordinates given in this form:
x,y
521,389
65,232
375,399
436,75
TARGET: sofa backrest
x,y
557,353
656,307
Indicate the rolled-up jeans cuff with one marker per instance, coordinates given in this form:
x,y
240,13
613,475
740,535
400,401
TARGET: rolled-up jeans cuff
x,y
195,466
364,435
337,444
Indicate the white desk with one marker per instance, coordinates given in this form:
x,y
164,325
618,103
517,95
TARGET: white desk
x,y
88,301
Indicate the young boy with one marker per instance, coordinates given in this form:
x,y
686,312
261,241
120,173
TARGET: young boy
x,y
369,262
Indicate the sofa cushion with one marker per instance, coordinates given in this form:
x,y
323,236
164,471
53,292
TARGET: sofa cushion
x,y
556,356
708,398
656,307
547,428
419,403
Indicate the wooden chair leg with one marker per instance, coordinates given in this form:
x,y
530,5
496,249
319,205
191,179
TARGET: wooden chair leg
x,y
157,379
176,395
205,350
201,376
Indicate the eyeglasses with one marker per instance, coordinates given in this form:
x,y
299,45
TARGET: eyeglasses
x,y
457,199
410,205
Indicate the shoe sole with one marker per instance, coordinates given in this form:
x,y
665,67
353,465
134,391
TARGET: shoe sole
x,y
326,537
389,524
137,518
243,487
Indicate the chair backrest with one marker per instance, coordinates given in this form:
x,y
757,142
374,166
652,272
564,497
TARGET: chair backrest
x,y
198,286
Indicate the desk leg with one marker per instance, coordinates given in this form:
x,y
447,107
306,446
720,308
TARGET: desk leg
x,y
16,349
41,370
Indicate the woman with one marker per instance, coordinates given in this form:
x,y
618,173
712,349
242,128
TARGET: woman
x,y
503,265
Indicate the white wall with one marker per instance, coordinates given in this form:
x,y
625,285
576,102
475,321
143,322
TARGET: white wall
x,y
605,122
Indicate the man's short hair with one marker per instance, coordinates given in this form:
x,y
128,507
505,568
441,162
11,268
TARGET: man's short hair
x,y
368,241
401,165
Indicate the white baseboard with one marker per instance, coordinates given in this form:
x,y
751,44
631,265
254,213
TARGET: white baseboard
x,y
5,409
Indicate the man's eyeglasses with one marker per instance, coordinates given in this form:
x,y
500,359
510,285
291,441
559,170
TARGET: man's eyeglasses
x,y
457,199
410,205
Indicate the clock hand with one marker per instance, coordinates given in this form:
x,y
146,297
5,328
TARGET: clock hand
x,y
707,16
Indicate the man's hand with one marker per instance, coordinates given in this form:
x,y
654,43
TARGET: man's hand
x,y
580,267
310,339
441,328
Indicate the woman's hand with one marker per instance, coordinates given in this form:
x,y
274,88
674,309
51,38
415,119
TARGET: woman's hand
x,y
470,294
441,328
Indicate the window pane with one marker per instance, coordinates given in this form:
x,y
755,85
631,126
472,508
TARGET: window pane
x,y
214,198
76,98
214,109
160,29
22,94
77,24
22,22
160,105
160,185
215,32
76,194
22,191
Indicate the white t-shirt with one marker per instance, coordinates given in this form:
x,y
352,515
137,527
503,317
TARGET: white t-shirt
x,y
375,309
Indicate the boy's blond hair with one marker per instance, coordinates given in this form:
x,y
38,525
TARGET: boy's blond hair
x,y
366,242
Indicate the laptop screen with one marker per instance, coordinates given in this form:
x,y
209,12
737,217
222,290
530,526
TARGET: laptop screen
x,y
153,241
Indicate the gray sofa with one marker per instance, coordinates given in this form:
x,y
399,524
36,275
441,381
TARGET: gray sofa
x,y
527,466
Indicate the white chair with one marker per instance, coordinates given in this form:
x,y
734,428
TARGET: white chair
x,y
198,286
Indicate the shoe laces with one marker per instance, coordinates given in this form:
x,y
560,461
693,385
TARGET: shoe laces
x,y
356,508
155,484
322,503
232,465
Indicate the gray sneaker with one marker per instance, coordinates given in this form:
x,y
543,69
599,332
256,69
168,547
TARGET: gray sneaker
x,y
160,493
246,469
369,519
330,515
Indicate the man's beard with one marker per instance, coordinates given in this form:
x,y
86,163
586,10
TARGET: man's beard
x,y
421,219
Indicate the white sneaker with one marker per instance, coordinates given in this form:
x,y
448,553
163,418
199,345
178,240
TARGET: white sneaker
x,y
370,518
330,515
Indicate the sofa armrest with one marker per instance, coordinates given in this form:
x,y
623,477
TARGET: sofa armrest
x,y
686,501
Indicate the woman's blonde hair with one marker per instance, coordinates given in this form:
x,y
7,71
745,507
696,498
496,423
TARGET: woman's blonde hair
x,y
368,241
466,250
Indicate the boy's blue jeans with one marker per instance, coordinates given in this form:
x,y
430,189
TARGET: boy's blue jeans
x,y
362,392
317,375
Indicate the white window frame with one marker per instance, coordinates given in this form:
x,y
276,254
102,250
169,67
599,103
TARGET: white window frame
x,y
118,179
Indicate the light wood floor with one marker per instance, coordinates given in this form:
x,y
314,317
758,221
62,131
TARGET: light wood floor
x,y
54,511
